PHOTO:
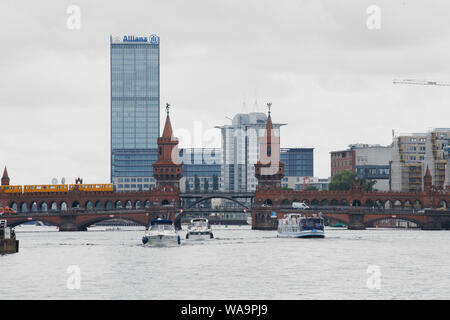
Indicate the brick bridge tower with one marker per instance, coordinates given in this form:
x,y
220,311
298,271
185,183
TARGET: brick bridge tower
x,y
269,170
5,178
168,170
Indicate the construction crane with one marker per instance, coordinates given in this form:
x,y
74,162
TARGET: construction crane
x,y
421,82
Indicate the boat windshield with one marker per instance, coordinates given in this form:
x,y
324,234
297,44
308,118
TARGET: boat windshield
x,y
162,227
199,224
308,224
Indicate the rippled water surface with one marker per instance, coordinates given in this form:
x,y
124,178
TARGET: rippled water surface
x,y
238,264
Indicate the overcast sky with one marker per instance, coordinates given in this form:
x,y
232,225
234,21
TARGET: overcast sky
x,y
327,74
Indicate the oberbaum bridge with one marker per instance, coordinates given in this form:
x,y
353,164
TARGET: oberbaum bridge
x,y
76,209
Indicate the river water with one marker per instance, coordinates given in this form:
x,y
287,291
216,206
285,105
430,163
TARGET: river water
x,y
238,264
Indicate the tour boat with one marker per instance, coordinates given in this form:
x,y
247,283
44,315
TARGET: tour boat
x,y
301,225
161,233
289,226
199,229
311,226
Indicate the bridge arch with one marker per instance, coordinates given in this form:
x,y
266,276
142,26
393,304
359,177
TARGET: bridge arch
x,y
356,203
98,205
34,207
63,206
16,222
333,217
13,206
378,203
53,206
369,203
398,204
43,207
369,223
442,204
418,204
75,204
147,204
138,204
86,223
109,205
89,205
23,207
267,201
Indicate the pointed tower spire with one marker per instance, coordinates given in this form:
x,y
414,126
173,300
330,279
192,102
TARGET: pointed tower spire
x,y
167,132
5,178
269,170
168,170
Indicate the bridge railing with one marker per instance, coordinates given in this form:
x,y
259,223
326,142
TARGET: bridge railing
x,y
343,209
88,211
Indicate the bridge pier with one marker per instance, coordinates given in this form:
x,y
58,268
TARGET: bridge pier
x,y
356,222
69,223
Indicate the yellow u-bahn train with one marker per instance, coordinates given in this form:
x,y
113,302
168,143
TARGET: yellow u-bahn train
x,y
56,188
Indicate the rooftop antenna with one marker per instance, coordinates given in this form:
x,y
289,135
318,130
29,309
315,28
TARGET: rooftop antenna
x,y
54,181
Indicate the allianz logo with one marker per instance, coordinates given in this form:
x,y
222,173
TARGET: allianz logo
x,y
153,39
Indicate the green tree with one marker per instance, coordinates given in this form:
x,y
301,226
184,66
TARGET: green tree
x,y
215,183
206,185
196,183
368,184
342,181
312,188
187,186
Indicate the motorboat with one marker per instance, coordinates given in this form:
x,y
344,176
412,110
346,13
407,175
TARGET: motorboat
x,y
199,229
301,225
161,233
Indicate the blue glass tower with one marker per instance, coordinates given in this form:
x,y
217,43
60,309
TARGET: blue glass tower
x,y
135,104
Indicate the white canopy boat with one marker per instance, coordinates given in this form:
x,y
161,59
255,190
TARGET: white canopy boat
x,y
161,233
199,229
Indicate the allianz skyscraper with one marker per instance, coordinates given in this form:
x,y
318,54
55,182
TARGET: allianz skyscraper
x,y
134,109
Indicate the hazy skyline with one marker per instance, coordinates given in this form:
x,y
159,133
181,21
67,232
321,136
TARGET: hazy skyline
x,y
328,76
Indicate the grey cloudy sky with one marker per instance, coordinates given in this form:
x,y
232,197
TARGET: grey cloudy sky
x,y
328,76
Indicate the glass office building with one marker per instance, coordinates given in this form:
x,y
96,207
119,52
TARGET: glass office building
x,y
135,125
205,163
298,162
240,150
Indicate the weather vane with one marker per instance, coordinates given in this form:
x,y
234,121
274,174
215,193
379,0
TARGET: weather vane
x,y
167,108
269,105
